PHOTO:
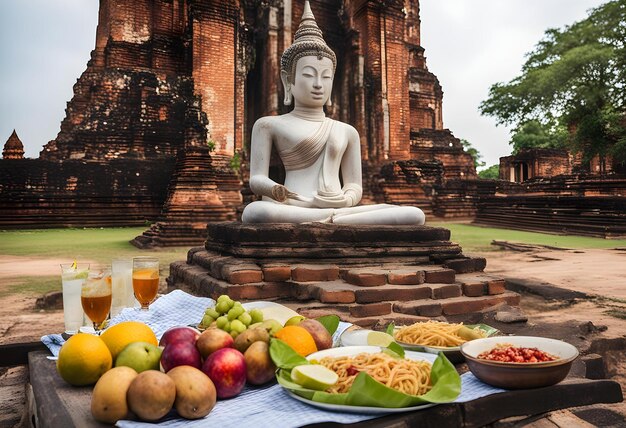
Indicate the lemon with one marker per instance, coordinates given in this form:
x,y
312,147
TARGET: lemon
x,y
120,335
378,338
314,376
83,359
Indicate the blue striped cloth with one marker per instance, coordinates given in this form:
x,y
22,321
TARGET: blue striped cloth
x,y
257,407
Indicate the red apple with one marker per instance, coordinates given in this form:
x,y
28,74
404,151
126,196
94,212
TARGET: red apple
x,y
179,334
180,354
227,369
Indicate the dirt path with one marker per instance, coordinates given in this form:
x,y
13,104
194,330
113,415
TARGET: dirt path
x,y
600,272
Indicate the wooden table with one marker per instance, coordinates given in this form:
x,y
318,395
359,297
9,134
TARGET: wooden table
x,y
58,404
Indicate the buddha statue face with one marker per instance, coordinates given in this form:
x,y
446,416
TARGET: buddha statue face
x,y
313,81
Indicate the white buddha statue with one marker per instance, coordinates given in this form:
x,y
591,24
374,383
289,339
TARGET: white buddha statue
x,y
318,153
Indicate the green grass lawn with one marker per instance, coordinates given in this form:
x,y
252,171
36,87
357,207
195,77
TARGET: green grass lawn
x,y
98,245
103,245
478,238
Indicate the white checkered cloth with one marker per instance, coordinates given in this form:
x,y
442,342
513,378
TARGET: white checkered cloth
x,y
257,407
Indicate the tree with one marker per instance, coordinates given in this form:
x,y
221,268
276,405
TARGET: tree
x,y
534,134
491,173
575,79
473,152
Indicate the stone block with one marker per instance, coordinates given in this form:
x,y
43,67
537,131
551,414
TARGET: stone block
x,y
306,273
326,291
439,275
426,308
473,289
370,310
445,291
495,286
466,305
365,277
391,292
244,276
50,300
406,277
203,258
274,273
469,264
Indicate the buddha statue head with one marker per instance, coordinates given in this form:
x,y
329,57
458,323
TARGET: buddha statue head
x,y
307,67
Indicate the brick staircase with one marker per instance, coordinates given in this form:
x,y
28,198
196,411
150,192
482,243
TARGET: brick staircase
x,y
419,276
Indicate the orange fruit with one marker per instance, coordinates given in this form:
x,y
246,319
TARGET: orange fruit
x,y
298,338
120,335
83,359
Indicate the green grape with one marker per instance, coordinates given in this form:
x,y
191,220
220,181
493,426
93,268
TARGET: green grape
x,y
237,326
227,327
257,316
234,313
231,303
221,322
223,298
212,313
206,320
245,318
234,334
222,307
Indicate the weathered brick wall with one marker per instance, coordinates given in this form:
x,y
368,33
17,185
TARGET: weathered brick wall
x,y
574,204
213,30
40,194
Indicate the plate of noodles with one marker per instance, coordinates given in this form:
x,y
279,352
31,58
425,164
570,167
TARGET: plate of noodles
x,y
438,336
371,379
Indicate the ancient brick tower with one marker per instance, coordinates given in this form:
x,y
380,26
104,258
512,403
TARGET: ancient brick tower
x,y
190,75
13,148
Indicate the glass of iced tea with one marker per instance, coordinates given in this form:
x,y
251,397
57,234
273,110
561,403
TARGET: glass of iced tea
x,y
145,280
95,296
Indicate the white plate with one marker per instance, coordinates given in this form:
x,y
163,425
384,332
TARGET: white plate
x,y
272,310
352,351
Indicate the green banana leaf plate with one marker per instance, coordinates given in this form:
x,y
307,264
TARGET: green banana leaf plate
x,y
366,394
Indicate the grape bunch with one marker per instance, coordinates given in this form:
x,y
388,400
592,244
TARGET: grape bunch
x,y
230,316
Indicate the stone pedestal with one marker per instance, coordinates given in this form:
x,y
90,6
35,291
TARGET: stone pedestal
x,y
364,274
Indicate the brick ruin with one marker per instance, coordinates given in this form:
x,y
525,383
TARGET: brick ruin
x,y
550,190
180,83
158,128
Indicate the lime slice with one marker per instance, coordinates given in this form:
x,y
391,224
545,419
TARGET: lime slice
x,y
81,275
314,376
378,338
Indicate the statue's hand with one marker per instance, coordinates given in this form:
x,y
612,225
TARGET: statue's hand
x,y
279,193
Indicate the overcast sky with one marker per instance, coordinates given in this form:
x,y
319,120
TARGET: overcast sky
x,y
470,45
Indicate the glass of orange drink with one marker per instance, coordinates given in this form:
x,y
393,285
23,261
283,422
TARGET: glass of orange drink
x,y
95,296
145,280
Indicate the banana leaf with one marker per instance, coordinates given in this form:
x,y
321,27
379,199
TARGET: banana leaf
x,y
365,391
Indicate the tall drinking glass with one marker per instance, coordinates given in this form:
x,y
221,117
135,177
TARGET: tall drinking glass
x,y
122,285
145,280
72,277
95,296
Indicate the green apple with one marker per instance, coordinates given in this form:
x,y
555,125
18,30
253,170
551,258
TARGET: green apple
x,y
294,320
140,356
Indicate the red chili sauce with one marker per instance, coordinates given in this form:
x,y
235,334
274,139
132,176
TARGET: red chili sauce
x,y
513,354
